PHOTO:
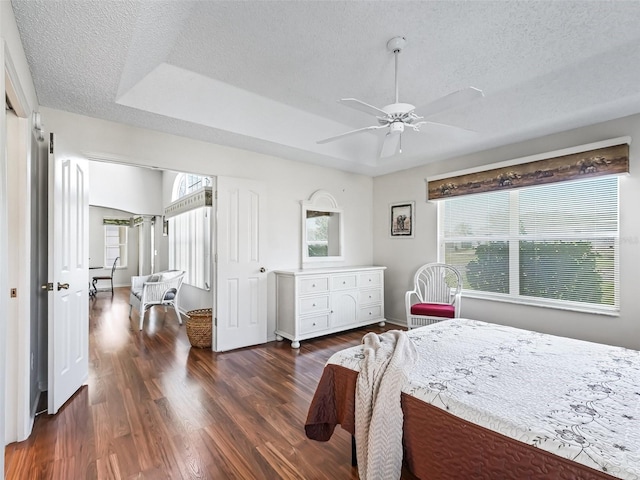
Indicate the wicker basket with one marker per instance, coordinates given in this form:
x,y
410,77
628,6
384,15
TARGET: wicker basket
x,y
199,327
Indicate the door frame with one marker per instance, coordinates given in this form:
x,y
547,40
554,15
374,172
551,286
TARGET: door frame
x,y
4,255
21,306
97,156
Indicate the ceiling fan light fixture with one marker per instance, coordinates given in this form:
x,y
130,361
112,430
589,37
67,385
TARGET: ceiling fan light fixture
x,y
396,128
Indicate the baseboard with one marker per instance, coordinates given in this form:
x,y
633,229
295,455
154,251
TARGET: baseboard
x,y
395,321
108,288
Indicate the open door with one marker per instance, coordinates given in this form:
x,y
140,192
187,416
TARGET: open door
x,y
68,333
241,287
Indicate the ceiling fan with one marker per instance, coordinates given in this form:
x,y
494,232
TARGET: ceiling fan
x,y
398,116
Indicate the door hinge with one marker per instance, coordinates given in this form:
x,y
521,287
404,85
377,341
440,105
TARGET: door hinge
x,y
215,321
215,195
51,142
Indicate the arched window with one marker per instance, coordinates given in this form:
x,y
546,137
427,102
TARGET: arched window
x,y
186,183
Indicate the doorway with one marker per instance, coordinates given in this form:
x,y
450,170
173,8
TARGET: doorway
x,y
142,195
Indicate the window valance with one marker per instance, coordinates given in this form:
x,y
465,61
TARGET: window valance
x,y
123,222
197,199
607,160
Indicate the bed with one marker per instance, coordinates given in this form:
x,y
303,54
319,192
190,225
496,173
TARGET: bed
x,y
496,402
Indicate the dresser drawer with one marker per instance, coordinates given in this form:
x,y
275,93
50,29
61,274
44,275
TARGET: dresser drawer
x,y
374,311
314,285
314,324
370,279
366,297
314,304
344,282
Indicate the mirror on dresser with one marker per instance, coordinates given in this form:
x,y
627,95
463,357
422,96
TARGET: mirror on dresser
x,y
322,229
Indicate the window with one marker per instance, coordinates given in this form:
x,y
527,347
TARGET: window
x,y
190,229
554,245
190,246
115,245
187,183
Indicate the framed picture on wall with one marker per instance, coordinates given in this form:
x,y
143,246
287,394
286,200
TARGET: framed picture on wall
x,y
401,220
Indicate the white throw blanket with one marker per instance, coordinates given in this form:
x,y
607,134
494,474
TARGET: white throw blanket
x,y
387,361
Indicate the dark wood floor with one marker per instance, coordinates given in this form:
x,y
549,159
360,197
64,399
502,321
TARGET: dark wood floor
x,y
156,408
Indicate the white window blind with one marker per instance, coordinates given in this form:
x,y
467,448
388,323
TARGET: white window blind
x,y
190,246
115,245
555,244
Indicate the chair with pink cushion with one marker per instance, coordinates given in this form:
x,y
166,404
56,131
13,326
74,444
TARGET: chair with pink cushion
x,y
435,296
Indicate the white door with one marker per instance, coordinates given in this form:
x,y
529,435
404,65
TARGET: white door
x,y
241,287
69,272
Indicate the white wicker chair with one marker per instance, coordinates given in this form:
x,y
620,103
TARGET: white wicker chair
x,y
435,296
158,289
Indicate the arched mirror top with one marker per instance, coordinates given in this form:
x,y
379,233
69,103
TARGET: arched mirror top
x,y
322,228
321,199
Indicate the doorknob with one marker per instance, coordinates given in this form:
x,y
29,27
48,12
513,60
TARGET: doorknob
x,y
262,269
64,286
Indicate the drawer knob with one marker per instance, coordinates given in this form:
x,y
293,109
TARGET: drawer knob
x,y
369,296
313,285
313,305
369,313
344,283
314,324
369,279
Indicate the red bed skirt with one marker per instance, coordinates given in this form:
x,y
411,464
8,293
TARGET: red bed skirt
x,y
438,445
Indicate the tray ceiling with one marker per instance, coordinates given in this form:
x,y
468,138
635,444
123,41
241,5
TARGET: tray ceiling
x,y
266,75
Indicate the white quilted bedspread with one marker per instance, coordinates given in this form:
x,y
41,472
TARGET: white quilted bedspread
x,y
576,399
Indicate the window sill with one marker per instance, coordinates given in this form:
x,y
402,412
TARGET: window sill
x,y
538,302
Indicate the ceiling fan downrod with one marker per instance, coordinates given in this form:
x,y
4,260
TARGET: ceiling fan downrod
x,y
395,45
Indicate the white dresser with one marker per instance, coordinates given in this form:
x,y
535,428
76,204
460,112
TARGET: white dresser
x,y
311,303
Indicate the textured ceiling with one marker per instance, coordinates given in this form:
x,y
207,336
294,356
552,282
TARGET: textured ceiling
x,y
266,75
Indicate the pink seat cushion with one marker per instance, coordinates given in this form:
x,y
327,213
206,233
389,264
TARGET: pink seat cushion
x,y
434,310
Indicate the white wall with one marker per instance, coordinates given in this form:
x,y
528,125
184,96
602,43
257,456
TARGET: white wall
x,y
123,187
128,191
162,242
287,182
404,256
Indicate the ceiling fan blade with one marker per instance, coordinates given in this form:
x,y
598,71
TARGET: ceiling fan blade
x,y
352,132
363,107
455,99
445,126
390,145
